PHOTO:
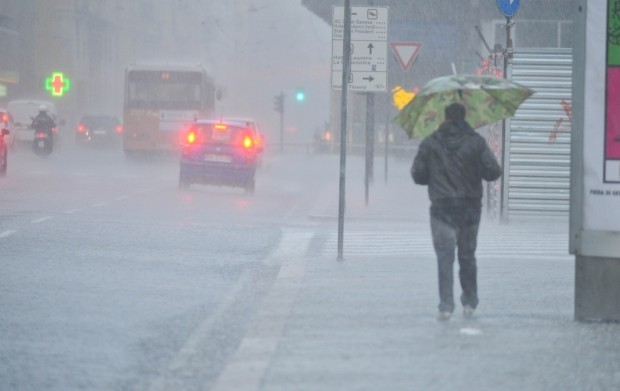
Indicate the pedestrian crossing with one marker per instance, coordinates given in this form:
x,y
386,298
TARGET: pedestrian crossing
x,y
494,241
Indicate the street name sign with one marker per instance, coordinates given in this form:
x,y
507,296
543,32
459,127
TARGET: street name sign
x,y
368,72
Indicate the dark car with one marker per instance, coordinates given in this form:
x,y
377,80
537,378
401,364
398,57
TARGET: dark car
x,y
4,156
98,130
221,153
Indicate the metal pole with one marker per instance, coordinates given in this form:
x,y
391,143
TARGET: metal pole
x,y
507,53
282,123
370,119
387,135
346,60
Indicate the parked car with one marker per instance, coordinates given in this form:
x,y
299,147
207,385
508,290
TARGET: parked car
x,y
98,130
4,151
6,122
23,111
221,153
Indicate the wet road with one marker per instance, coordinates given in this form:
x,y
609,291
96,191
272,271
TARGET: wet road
x,y
108,269
114,279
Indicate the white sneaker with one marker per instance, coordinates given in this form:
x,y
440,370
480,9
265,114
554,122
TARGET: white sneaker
x,y
444,315
468,312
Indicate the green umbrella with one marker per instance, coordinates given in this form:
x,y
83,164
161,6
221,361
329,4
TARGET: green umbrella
x,y
487,99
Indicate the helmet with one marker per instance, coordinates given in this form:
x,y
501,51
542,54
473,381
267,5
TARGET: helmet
x,y
43,109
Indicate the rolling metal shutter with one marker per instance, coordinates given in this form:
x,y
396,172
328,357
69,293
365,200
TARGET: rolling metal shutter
x,y
538,136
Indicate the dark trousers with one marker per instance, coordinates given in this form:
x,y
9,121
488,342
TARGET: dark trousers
x,y
456,229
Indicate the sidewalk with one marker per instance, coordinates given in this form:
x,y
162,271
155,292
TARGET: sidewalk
x,y
369,322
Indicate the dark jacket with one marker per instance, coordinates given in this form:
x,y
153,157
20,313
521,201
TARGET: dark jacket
x,y
44,122
452,162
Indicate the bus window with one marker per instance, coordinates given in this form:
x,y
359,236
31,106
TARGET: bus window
x,y
176,91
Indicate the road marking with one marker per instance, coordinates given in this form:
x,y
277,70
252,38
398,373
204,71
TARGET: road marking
x,y
72,211
7,233
99,204
249,364
262,337
41,219
121,198
470,331
184,356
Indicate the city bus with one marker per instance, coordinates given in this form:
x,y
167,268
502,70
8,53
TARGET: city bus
x,y
160,101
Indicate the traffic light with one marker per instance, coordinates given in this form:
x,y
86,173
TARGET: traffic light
x,y
278,103
300,95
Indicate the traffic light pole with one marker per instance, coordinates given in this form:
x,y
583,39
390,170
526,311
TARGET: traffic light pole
x,y
282,123
278,105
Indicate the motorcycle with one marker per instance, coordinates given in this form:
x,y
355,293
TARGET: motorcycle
x,y
43,143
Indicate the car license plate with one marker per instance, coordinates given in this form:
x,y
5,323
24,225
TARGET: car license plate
x,y
41,143
99,131
218,158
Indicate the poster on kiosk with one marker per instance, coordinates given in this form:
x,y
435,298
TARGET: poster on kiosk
x,y
595,204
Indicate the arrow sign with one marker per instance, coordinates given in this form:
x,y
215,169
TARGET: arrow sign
x,y
405,52
369,78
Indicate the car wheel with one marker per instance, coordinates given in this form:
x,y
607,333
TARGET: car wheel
x,y
183,183
250,187
4,166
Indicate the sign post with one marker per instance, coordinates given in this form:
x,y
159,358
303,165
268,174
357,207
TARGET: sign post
x,y
509,8
359,63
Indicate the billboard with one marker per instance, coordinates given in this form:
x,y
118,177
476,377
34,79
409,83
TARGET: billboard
x,y
601,144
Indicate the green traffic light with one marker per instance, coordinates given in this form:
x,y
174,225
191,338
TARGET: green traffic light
x,y
300,96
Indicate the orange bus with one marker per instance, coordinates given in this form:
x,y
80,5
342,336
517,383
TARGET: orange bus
x,y
159,102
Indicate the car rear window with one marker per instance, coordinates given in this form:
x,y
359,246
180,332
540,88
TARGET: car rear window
x,y
220,133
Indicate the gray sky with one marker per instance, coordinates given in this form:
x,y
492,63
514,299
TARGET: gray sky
x,y
273,46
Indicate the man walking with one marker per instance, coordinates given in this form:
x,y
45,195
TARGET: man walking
x,y
452,162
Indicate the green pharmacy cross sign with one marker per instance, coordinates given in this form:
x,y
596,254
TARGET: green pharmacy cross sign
x,y
57,84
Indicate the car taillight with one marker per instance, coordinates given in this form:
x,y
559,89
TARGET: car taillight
x,y
119,129
5,118
248,142
191,137
81,128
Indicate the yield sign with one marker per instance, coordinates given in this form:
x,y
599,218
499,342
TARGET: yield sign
x,y
405,52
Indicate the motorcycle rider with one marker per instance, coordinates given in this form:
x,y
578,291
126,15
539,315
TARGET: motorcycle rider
x,y
44,122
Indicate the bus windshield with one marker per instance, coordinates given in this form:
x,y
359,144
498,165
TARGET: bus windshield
x,y
164,90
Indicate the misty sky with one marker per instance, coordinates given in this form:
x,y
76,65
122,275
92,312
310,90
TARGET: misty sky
x,y
273,46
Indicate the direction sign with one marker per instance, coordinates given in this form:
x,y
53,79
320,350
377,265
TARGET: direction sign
x,y
508,7
361,81
367,23
405,52
368,48
368,56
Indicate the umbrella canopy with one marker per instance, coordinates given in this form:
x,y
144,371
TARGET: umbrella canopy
x,y
487,99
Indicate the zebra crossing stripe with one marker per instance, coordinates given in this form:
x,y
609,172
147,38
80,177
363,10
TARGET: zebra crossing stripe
x,y
524,244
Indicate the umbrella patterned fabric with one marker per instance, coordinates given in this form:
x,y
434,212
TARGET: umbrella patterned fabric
x,y
487,100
